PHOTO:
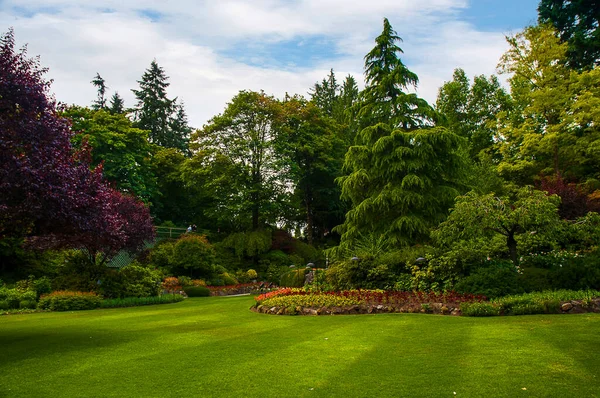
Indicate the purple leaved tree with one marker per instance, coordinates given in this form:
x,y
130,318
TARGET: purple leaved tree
x,y
49,194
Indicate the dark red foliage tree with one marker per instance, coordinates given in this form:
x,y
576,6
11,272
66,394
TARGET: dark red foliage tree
x,y
48,193
575,202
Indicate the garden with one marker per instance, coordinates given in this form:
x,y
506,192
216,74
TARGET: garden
x,y
358,243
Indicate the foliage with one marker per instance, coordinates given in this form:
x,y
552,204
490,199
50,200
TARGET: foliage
x,y
69,301
100,84
577,24
16,298
384,99
171,284
248,244
161,255
138,301
293,278
313,151
196,291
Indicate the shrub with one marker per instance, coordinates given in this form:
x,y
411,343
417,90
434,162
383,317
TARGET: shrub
x,y
4,305
12,298
228,279
479,309
184,280
138,301
28,304
497,280
194,253
69,301
161,255
196,291
171,284
251,274
198,282
133,280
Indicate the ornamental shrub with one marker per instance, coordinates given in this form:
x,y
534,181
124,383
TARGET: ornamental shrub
x,y
69,301
194,253
12,298
196,291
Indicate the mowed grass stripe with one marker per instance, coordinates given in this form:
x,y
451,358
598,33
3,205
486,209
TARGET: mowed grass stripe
x,y
217,347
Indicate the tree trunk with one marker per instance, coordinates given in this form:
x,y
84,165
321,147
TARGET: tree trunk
x,y
309,217
512,247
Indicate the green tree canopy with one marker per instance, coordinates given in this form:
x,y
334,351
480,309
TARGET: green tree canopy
x,y
479,218
470,110
122,149
554,127
577,22
237,149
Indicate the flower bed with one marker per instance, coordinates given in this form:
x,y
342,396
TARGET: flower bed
x,y
299,301
294,301
240,288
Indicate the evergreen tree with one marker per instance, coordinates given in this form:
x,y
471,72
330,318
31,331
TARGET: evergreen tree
x,y
403,176
100,84
384,99
577,22
155,111
325,94
179,124
117,105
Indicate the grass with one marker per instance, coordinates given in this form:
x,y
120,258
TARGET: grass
x,y
216,347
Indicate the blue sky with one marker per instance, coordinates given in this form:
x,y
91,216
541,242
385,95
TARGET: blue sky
x,y
212,49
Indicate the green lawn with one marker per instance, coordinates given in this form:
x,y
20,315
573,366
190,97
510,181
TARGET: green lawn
x,y
216,347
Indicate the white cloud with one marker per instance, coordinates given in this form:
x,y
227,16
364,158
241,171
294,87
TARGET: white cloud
x,y
188,39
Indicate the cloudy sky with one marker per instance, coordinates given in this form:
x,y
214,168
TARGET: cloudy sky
x,y
213,49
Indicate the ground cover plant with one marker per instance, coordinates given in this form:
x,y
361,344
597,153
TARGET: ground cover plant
x,y
215,347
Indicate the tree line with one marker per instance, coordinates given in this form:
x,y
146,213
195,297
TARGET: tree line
x,y
378,168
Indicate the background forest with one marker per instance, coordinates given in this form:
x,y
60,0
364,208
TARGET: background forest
x,y
493,189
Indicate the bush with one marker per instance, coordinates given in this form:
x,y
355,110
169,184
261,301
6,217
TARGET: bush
x,y
196,291
138,301
194,253
479,309
4,305
133,280
228,280
28,304
12,298
161,255
69,301
497,280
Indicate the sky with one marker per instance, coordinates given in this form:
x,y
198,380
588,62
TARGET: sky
x,y
213,49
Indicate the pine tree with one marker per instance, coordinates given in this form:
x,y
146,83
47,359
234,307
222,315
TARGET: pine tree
x,y
117,105
155,111
100,83
325,94
384,99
